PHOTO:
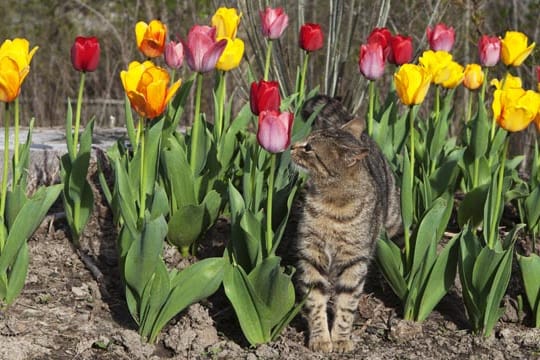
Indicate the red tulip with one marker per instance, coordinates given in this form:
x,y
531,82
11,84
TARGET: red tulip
x,y
402,50
441,37
201,48
311,37
263,96
371,60
538,74
274,133
273,22
489,50
174,54
85,53
381,36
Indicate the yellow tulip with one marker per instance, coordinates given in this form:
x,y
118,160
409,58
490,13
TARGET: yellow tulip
x,y
509,82
10,79
453,73
473,76
514,49
435,62
232,55
19,51
514,109
226,21
151,37
146,87
412,83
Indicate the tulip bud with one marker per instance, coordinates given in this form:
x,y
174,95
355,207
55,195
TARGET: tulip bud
x,y
441,37
371,61
174,54
489,50
402,50
85,53
273,22
473,76
274,132
151,37
311,37
381,36
264,95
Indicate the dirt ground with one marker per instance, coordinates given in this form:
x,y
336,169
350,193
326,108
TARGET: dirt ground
x,y
72,307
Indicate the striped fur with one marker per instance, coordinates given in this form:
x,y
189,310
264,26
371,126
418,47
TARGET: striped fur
x,y
350,198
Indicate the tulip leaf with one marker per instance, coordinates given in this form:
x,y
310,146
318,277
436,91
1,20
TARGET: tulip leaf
x,y
178,175
186,225
15,200
143,254
390,262
154,296
28,219
532,208
471,208
407,202
480,131
17,274
530,268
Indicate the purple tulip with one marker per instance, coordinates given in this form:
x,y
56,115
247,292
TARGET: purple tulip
x,y
174,54
201,48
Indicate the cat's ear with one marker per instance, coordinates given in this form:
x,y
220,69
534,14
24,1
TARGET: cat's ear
x,y
355,126
355,155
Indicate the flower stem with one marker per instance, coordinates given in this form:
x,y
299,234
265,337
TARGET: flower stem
x,y
469,108
267,61
16,174
303,78
196,125
5,167
142,190
407,234
492,237
222,91
484,85
78,116
270,196
371,106
437,103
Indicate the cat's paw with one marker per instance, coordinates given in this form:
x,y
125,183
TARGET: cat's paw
x,y
343,346
320,345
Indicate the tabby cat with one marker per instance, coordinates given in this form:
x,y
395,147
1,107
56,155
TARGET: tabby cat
x,y
350,197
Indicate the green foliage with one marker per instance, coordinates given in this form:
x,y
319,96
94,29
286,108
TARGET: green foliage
x,y
530,268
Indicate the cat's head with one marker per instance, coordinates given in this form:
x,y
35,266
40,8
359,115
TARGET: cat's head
x,y
330,155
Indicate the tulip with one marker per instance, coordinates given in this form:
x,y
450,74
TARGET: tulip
x,y
273,22
10,79
232,55
473,76
263,96
441,37
436,63
146,87
151,37
514,109
371,60
509,82
85,53
454,75
226,21
311,37
402,50
174,54
489,50
383,37
202,49
412,83
19,51
274,133
514,49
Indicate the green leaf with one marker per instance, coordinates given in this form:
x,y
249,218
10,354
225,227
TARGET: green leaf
x,y
407,198
480,132
390,262
143,254
194,283
532,208
154,296
15,201
69,131
178,174
130,126
246,305
472,207
28,219
17,274
151,155
530,268
441,278
186,225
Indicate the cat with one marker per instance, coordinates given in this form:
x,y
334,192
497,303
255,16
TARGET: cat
x,y
350,197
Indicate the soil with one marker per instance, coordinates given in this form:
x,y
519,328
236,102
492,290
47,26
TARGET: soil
x,y
72,307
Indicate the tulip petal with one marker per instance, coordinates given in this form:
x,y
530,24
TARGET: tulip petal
x,y
211,57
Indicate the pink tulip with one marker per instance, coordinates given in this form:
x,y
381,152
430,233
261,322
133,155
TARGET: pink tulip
x,y
201,48
441,37
273,22
274,133
174,54
489,50
371,60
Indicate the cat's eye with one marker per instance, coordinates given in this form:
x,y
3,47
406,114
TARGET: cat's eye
x,y
308,148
